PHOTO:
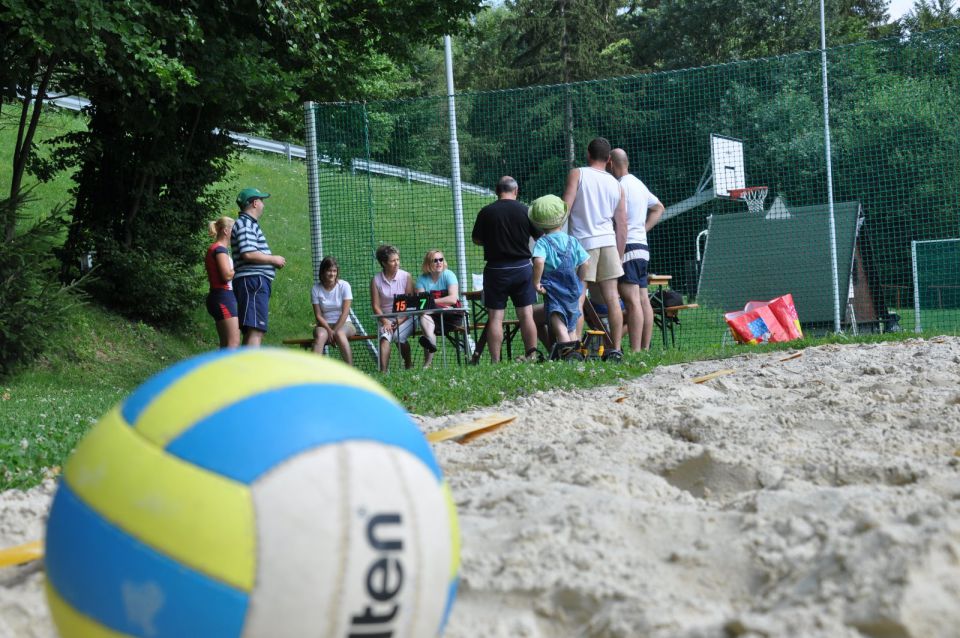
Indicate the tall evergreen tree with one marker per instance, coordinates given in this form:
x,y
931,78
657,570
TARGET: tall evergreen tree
x,y
930,14
672,35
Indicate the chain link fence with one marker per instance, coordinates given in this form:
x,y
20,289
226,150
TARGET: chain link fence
x,y
384,177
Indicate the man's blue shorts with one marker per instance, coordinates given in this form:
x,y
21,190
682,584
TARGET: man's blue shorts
x,y
511,280
221,304
253,301
636,258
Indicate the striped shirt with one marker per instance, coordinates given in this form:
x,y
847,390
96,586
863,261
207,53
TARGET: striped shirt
x,y
247,238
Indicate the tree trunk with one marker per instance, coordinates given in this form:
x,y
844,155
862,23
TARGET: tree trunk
x,y
25,134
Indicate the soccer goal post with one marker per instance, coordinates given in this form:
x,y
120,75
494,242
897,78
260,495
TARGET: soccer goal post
x,y
936,281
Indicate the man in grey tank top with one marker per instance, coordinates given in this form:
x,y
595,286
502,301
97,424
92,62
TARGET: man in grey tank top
x,y
598,218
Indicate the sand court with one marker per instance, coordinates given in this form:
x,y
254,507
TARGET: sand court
x,y
814,496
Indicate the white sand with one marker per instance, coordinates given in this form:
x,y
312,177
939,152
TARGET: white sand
x,y
815,497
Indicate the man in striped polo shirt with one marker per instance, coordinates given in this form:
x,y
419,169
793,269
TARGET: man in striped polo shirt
x,y
255,266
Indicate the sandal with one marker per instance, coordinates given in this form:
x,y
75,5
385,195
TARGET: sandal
x,y
429,347
533,355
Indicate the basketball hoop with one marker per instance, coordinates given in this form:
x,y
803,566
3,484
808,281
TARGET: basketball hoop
x,y
752,196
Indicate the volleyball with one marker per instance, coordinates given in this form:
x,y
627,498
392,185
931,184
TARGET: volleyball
x,y
253,493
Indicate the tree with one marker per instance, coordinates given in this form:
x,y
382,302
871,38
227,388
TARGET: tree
x,y
673,35
527,42
161,79
930,14
43,44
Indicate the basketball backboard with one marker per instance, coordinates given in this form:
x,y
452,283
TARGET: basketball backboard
x,y
724,172
726,157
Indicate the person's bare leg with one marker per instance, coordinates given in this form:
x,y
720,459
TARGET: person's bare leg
x,y
427,325
405,353
233,341
540,320
647,309
582,317
228,331
343,342
614,315
253,337
528,329
630,293
559,327
384,355
320,336
494,333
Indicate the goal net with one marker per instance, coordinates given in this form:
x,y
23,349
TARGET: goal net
x,y
936,283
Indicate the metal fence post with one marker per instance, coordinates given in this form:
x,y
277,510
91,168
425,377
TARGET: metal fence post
x,y
826,137
313,186
455,171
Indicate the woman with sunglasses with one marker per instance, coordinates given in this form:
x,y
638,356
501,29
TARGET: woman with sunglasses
x,y
443,286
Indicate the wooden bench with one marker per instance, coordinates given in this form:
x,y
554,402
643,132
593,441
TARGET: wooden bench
x,y
307,344
510,329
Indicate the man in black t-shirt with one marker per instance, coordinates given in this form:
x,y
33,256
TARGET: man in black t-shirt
x,y
504,230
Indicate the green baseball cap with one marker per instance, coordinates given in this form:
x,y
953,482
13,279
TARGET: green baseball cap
x,y
548,212
249,193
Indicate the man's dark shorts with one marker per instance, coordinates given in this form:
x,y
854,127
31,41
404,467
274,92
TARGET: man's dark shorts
x,y
636,258
509,280
253,301
222,304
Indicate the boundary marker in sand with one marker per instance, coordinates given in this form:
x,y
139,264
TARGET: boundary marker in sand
x,y
726,371
713,375
466,432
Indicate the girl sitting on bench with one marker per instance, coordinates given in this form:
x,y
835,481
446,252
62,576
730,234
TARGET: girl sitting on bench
x,y
331,300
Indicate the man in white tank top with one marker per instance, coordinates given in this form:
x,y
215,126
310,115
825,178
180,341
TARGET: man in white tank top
x,y
643,212
598,218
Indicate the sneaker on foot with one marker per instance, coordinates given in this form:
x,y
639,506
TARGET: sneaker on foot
x,y
613,355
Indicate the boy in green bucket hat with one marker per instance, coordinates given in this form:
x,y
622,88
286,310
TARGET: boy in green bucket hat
x,y
559,267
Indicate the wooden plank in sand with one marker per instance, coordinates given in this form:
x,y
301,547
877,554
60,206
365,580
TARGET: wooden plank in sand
x,y
466,432
21,554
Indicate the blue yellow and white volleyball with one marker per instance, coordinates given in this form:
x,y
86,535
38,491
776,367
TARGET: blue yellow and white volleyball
x,y
256,493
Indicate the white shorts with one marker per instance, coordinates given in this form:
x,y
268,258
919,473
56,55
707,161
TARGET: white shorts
x,y
397,336
605,263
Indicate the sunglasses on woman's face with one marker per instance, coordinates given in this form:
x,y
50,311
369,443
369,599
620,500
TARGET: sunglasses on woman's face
x,y
438,260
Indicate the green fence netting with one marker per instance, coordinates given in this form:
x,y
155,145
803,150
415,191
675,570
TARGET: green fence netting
x,y
385,168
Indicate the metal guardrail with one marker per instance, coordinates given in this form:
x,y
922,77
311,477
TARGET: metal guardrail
x,y
76,103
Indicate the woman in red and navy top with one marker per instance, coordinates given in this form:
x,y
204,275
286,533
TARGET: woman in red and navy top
x,y
221,303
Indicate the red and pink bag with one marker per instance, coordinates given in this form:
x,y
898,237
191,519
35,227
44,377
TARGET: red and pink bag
x,y
765,321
